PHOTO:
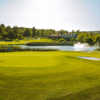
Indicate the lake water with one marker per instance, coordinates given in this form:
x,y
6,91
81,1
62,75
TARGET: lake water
x,y
89,58
62,48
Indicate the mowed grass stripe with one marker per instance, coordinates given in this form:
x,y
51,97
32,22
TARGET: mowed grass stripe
x,y
48,76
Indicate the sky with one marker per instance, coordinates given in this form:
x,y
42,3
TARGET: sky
x,y
51,14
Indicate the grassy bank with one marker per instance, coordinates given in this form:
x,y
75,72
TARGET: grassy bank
x,y
49,76
36,42
25,41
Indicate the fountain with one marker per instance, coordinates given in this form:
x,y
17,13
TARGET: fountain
x,y
81,46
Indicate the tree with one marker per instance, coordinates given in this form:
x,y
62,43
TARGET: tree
x,y
2,25
3,32
8,28
33,32
85,38
98,40
27,33
80,37
41,32
11,35
62,32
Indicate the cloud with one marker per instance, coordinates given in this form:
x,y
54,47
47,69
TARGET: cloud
x,y
58,14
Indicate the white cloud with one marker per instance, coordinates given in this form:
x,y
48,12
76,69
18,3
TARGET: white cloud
x,y
58,14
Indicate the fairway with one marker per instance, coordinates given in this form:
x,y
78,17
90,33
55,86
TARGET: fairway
x,y
49,76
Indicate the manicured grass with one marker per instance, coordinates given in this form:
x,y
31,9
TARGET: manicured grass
x,y
25,41
49,76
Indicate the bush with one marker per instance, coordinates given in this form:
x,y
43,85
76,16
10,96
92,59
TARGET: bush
x,y
98,49
62,40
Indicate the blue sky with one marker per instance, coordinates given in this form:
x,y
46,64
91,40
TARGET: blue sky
x,y
56,14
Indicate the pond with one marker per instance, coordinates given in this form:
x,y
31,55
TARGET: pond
x,y
89,58
62,48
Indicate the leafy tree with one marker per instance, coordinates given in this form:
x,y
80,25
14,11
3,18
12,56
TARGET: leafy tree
x,y
62,32
11,35
27,33
80,37
33,32
98,39
3,32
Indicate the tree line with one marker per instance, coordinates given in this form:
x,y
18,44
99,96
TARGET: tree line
x,y
12,33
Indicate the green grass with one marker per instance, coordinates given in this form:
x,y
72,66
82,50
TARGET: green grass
x,y
25,41
49,76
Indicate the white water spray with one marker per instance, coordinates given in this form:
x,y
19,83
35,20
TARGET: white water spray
x,y
81,46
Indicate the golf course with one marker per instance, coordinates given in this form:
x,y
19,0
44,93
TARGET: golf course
x,y
49,49
52,75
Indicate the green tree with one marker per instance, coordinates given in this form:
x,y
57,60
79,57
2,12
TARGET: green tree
x,y
3,32
98,40
33,32
27,33
11,35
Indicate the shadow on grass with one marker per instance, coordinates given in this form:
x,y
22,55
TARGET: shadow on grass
x,y
88,94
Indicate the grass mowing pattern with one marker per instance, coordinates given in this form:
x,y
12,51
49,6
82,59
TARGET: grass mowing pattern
x,y
49,76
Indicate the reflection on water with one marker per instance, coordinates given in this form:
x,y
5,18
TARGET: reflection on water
x,y
62,48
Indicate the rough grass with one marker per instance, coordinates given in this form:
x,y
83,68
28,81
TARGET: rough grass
x,y
49,76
